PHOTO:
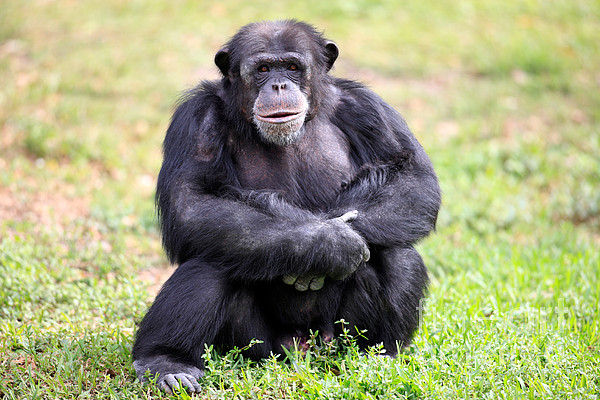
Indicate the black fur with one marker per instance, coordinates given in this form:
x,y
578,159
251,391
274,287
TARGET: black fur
x,y
238,214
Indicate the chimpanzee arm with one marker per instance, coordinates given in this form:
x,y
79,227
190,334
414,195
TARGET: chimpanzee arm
x,y
395,207
396,192
255,236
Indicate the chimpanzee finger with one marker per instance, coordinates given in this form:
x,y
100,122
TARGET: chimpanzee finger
x,y
366,254
349,216
166,387
317,282
170,383
290,279
303,282
190,383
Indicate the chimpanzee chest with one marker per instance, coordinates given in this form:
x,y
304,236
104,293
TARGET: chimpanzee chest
x,y
309,173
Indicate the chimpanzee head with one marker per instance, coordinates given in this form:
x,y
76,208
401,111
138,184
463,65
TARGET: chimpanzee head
x,y
276,71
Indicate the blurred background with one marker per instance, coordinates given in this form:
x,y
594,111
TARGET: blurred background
x,y
503,95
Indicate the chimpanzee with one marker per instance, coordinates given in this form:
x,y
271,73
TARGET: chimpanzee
x,y
290,200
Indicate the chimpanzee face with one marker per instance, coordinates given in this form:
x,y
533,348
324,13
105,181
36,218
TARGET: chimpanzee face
x,y
280,106
275,69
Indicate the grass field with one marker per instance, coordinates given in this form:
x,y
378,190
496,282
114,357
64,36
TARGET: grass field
x,y
504,96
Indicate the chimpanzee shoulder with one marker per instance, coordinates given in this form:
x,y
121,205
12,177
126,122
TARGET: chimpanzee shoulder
x,y
375,129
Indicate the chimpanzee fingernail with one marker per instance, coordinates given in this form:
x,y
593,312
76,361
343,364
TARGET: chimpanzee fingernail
x,y
289,279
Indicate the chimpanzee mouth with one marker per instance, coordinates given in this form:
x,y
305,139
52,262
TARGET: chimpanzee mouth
x,y
281,117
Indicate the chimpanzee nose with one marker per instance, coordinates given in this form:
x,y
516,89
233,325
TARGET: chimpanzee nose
x,y
278,86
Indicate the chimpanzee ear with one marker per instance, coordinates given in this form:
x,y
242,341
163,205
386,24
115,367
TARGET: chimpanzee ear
x,y
222,60
331,53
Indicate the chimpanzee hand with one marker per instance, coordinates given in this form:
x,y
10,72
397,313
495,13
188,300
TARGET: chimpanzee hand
x,y
349,250
305,281
353,248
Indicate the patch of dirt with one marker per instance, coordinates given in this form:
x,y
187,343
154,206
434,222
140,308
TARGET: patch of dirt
x,y
43,209
156,277
32,205
54,206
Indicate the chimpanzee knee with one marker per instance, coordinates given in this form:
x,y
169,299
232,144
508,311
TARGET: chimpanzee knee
x,y
245,322
384,297
187,313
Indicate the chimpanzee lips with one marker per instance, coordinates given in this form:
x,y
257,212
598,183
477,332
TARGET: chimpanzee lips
x,y
280,117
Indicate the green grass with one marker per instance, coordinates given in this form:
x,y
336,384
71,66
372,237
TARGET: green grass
x,y
504,95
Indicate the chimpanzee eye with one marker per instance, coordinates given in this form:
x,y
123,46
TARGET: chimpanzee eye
x,y
263,68
293,67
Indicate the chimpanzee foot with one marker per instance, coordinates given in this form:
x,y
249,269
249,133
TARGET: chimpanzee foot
x,y
181,381
327,336
296,342
171,374
300,342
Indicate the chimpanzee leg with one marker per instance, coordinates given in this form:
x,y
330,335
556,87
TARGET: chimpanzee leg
x,y
245,322
384,298
191,310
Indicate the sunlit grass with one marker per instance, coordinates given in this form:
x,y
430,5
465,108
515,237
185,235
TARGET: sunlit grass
x,y
503,95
